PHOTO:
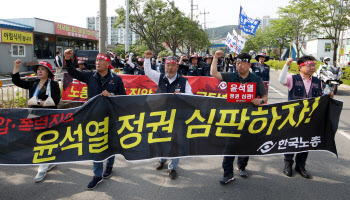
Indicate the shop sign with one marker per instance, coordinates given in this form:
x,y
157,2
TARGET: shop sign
x,y
73,31
18,37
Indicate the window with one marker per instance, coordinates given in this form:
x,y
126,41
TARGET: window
x,y
327,47
18,50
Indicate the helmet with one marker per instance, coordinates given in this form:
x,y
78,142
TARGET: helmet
x,y
326,59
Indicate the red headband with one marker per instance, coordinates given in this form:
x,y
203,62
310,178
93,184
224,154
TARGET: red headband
x,y
309,62
171,61
103,57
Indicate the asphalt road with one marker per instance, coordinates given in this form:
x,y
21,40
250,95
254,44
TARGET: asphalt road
x,y
198,177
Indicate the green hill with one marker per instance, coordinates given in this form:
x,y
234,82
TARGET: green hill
x,y
221,32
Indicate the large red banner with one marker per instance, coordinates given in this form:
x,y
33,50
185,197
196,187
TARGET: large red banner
x,y
74,90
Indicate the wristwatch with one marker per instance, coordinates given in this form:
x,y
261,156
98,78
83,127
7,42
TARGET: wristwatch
x,y
262,101
39,100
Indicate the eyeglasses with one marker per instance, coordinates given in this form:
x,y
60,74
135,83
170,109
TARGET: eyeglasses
x,y
310,65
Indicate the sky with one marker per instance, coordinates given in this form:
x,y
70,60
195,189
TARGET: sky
x,y
75,12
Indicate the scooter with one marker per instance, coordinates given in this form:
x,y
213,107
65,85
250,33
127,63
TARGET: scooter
x,y
332,77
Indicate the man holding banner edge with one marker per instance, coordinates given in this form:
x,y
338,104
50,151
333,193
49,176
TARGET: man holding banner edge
x,y
102,82
243,75
300,86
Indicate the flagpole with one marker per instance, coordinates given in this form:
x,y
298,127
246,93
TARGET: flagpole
x,y
240,8
290,49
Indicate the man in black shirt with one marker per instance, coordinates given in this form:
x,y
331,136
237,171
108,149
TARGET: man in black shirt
x,y
242,76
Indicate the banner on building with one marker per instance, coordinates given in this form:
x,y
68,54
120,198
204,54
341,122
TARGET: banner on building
x,y
73,31
246,24
17,37
164,125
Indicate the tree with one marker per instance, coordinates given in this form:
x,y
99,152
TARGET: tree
x,y
331,16
279,34
147,19
256,43
296,16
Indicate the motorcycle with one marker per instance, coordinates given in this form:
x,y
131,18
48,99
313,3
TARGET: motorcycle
x,y
331,76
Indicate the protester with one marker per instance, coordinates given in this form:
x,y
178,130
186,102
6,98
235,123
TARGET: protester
x,y
208,60
242,76
81,66
127,69
44,92
230,63
261,69
105,83
138,67
300,86
168,82
195,69
184,65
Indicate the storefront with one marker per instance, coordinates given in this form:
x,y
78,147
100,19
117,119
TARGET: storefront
x,y
49,37
72,37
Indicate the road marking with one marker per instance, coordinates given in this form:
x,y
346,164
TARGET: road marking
x,y
344,134
277,91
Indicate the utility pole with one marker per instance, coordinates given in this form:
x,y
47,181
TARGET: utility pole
x,y
191,20
127,28
103,26
205,23
192,9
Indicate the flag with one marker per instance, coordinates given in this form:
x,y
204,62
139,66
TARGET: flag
x,y
230,43
240,41
246,24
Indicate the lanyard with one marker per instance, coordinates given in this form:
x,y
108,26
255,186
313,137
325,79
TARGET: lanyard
x,y
48,89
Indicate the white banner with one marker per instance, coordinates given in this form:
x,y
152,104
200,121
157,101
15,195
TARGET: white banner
x,y
240,42
231,43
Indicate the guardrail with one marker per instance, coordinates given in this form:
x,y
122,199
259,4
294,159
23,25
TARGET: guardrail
x,y
12,96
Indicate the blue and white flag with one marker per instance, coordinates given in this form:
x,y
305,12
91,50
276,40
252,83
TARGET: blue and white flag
x,y
248,25
234,45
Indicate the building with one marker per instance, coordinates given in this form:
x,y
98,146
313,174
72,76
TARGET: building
x,y
16,42
264,22
320,48
114,35
47,38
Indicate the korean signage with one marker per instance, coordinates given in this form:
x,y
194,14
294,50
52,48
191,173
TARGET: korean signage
x,y
241,93
166,125
73,31
17,37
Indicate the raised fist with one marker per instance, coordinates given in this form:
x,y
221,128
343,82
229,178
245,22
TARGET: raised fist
x,y
219,54
18,62
289,61
68,54
148,54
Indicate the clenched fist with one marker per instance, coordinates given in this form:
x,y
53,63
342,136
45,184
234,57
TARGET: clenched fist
x,y
68,54
289,61
18,63
148,54
219,54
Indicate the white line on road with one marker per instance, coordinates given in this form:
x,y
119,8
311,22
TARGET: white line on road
x,y
277,91
344,134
